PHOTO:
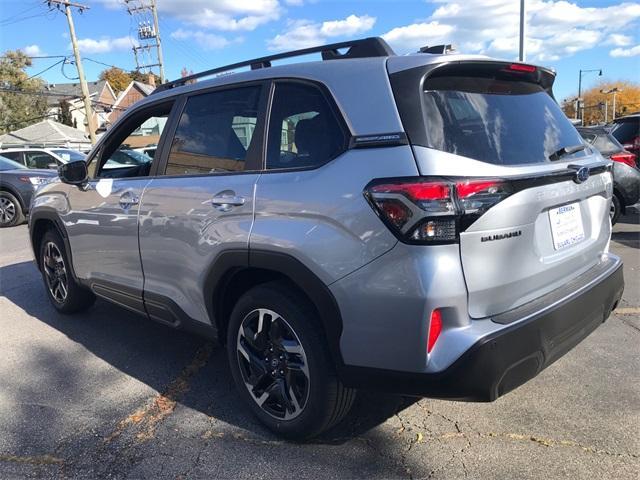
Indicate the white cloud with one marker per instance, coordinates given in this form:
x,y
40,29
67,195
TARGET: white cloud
x,y
227,15
352,25
305,33
32,50
555,28
619,40
207,41
105,44
294,3
625,52
419,34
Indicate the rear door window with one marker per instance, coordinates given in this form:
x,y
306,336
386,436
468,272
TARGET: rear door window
x,y
15,156
215,132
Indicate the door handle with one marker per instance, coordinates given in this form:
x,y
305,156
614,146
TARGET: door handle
x,y
128,199
224,203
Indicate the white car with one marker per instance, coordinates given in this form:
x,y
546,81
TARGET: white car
x,y
32,157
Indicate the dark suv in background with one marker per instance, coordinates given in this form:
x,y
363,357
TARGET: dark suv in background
x,y
627,132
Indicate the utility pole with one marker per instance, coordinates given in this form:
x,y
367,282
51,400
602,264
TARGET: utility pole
x,y
523,34
580,100
613,91
88,111
147,33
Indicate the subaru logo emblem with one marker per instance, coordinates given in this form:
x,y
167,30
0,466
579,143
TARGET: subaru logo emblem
x,y
582,175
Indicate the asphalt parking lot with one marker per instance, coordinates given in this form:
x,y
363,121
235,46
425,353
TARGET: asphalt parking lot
x,y
108,394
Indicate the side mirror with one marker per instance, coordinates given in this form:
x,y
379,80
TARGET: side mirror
x,y
74,173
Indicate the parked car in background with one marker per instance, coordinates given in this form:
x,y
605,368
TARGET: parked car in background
x,y
626,176
17,184
32,157
627,132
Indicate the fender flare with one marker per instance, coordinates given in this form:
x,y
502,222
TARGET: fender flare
x,y
231,261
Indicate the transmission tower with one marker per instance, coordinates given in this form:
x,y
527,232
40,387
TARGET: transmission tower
x,y
145,13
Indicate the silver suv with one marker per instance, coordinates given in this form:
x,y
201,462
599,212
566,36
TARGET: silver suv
x,y
430,225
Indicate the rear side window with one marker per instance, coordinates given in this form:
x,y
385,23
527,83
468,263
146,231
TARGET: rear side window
x,y
303,129
215,132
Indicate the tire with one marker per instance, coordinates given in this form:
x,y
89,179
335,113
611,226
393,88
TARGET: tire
x,y
616,209
11,213
287,356
66,295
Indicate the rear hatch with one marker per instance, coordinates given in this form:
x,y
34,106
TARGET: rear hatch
x,y
531,197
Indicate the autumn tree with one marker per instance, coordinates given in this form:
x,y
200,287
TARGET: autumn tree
x,y
117,78
18,109
139,76
597,103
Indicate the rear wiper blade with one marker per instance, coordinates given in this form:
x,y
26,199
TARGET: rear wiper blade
x,y
557,155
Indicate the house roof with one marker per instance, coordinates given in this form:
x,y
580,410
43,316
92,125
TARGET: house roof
x,y
45,132
70,90
144,88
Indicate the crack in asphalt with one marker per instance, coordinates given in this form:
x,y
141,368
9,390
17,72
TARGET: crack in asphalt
x,y
32,459
148,418
628,324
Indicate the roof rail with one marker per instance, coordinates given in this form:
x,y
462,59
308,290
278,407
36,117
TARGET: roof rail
x,y
362,48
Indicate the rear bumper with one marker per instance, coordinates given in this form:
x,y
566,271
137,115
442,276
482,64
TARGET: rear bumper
x,y
504,360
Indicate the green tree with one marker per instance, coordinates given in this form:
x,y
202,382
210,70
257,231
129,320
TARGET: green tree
x,y
117,78
17,109
64,116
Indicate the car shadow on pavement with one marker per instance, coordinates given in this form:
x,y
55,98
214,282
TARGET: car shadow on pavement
x,y
157,356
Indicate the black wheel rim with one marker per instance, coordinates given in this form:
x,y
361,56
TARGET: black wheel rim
x,y
273,364
7,211
55,272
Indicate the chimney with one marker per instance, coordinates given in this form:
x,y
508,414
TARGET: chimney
x,y
151,79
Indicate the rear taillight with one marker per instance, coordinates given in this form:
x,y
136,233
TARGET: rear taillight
x,y
624,157
434,211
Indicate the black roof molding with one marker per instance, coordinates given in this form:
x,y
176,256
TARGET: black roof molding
x,y
362,48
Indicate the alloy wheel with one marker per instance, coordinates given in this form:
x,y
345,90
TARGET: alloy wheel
x,y
7,211
55,272
273,364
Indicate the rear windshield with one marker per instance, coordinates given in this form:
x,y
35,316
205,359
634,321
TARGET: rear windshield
x,y
500,121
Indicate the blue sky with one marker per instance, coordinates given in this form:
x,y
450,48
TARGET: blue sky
x,y
201,34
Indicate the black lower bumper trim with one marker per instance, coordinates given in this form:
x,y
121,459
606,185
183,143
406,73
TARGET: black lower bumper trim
x,y
505,360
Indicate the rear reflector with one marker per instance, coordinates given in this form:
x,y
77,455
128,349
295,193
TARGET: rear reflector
x,y
435,328
624,157
521,67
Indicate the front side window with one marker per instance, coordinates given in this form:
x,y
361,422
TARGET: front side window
x,y
215,132
36,159
303,130
125,153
